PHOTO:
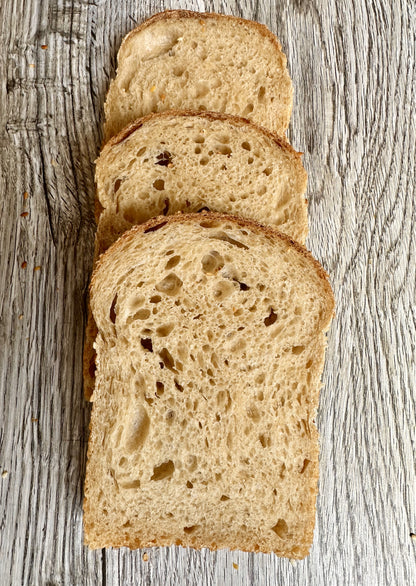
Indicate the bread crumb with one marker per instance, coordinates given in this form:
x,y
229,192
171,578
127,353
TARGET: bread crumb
x,y
292,561
235,566
44,47
25,195
35,419
24,264
54,163
31,65
413,536
21,316
152,89
145,557
37,268
24,214
4,474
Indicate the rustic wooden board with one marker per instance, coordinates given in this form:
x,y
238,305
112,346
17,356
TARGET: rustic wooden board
x,y
353,66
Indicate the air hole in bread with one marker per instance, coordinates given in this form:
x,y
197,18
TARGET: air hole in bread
x,y
170,285
164,330
113,315
281,529
189,484
224,497
130,483
202,108
147,344
198,150
201,90
165,209
141,314
248,109
223,150
253,413
204,209
170,415
261,94
262,190
164,159
167,360
190,529
159,184
164,471
212,262
149,400
178,386
160,388
306,463
226,238
117,184
267,171
204,160
141,152
172,262
199,139
297,349
222,290
178,71
264,440
154,228
136,432
155,299
270,320
243,286
122,462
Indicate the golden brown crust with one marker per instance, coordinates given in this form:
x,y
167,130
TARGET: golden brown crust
x,y
280,141
243,223
188,14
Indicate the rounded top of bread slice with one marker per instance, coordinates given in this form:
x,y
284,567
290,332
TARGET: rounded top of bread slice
x,y
185,160
180,59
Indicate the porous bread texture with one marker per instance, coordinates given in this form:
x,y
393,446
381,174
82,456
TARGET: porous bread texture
x,y
185,161
209,353
180,59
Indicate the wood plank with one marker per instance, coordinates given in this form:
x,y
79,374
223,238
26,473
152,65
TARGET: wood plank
x,y
353,66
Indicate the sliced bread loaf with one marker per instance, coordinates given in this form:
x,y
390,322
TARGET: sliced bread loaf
x,y
180,59
210,349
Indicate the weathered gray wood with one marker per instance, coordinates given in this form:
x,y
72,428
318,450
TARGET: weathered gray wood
x,y
353,66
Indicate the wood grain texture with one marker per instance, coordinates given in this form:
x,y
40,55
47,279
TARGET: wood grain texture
x,y
353,67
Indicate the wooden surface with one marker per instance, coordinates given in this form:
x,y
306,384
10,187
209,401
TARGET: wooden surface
x,y
353,66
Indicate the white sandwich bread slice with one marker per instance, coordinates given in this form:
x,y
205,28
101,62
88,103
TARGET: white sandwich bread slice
x,y
210,349
180,59
188,161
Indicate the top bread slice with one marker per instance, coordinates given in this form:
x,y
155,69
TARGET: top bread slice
x,y
210,349
180,59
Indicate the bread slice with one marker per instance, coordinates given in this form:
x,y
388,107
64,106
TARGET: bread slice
x,y
188,161
180,59
185,161
210,349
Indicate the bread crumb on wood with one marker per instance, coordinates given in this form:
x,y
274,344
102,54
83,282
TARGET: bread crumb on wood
x,y
413,536
4,474
21,316
37,268
26,195
35,419
292,561
24,214
24,264
235,566
145,557
32,65
44,47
